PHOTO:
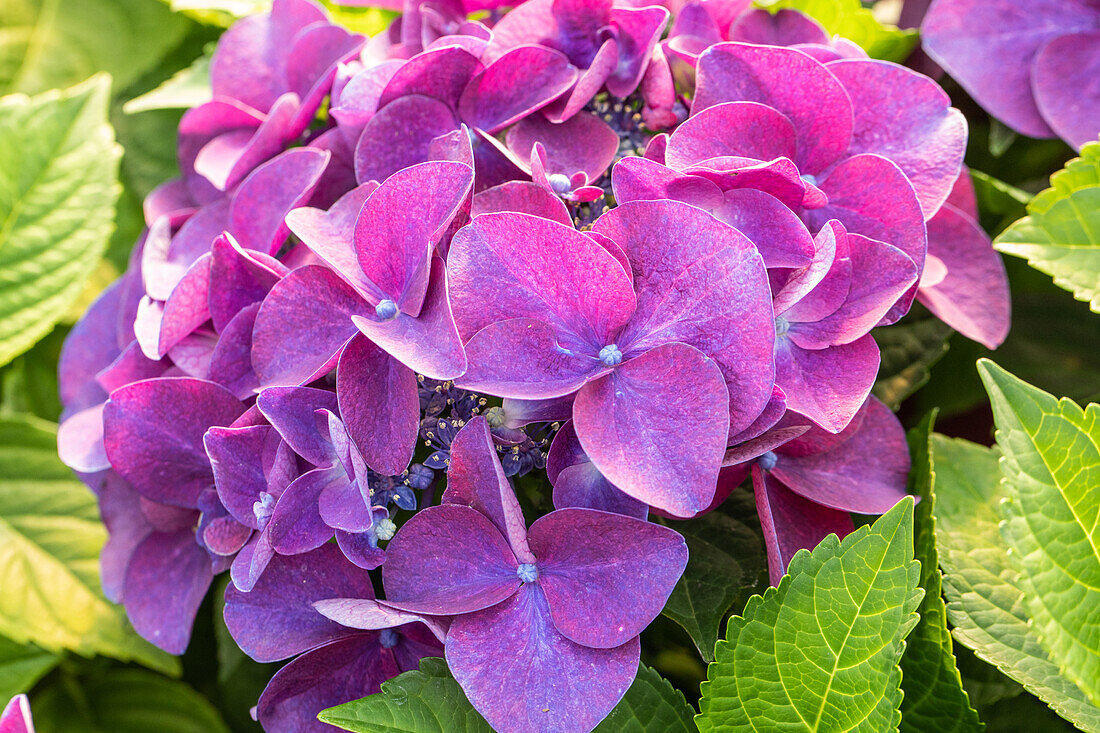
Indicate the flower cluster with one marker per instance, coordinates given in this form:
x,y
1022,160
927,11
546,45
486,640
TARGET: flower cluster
x,y
1031,65
398,271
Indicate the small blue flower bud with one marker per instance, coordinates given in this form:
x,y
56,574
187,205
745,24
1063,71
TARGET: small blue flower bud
x,y
809,178
388,638
527,572
494,416
404,498
767,461
386,310
610,355
385,529
263,509
560,183
782,325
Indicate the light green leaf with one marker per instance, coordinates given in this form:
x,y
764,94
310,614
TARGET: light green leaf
x,y
934,696
427,700
999,203
985,603
58,185
365,20
186,88
45,44
727,563
821,651
909,351
1051,471
21,665
650,705
123,701
849,19
50,538
1060,236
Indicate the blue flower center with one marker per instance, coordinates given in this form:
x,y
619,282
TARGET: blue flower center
x,y
263,509
610,355
385,529
782,325
767,461
809,178
527,572
388,638
560,183
495,416
386,310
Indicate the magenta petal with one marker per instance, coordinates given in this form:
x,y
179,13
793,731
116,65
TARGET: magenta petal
x,y
973,297
80,441
291,410
792,523
90,347
240,278
518,413
771,414
1064,80
269,192
674,469
756,447
394,240
334,673
588,84
523,80
537,268
582,485
16,717
231,361
779,235
582,143
428,344
863,471
187,307
524,676
745,129
804,290
399,135
791,82
296,525
523,197
359,548
908,118
476,479
379,405
166,580
329,235
588,565
153,433
448,560
238,459
828,385
441,73
369,614
130,366
641,179
638,30
276,619
988,46
302,325
785,28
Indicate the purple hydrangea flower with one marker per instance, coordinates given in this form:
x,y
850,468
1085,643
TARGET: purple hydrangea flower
x,y
662,309
544,635
1032,65
333,663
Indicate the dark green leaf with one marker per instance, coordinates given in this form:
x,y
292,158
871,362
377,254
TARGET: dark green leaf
x,y
21,665
909,349
651,705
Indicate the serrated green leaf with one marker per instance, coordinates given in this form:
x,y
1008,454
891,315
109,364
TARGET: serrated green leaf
x,y
985,603
186,88
123,701
1060,236
427,700
45,44
727,562
58,185
1051,472
21,665
821,651
999,203
29,383
934,696
849,19
909,350
650,705
50,538
365,20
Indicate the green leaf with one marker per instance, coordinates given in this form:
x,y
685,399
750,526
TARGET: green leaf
x,y
934,696
427,700
821,651
727,563
1060,236
909,350
651,705
999,203
849,19
365,20
47,44
21,665
123,701
50,538
187,88
985,602
29,383
58,185
1051,471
